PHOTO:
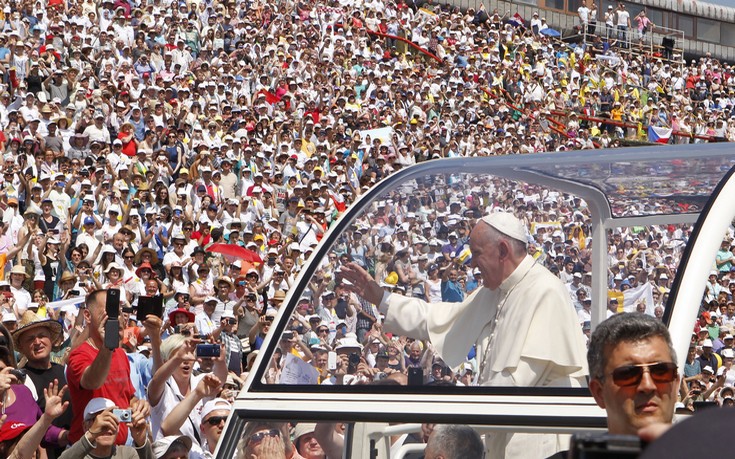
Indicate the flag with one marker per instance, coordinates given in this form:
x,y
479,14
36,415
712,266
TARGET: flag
x,y
633,296
269,96
339,201
517,20
465,255
659,134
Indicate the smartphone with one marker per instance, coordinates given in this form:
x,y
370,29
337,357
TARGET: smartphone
x,y
287,335
112,306
208,350
123,415
332,361
415,377
150,305
112,326
74,292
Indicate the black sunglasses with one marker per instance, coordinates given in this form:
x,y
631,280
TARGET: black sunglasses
x,y
216,420
631,375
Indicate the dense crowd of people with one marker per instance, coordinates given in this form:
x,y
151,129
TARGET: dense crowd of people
x,y
135,137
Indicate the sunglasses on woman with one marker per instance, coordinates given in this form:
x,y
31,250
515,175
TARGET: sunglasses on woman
x,y
631,375
258,437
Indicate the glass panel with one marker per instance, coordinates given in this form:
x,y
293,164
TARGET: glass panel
x,y
414,242
728,32
708,30
649,188
656,16
686,24
555,4
573,5
357,440
529,3
642,264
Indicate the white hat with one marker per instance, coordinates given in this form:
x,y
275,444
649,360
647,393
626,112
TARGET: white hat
x,y
348,342
707,343
161,447
728,354
96,405
112,266
227,315
214,405
507,224
708,369
9,316
301,429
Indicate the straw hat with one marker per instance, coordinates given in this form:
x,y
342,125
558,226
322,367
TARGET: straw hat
x,y
19,269
30,321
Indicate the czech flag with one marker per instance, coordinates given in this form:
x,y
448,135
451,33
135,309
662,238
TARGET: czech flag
x,y
659,134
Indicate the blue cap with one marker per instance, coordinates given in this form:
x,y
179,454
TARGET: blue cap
x,y
89,221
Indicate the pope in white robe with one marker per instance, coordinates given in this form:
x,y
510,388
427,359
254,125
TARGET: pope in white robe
x,y
522,322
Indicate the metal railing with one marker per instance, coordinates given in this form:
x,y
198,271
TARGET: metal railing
x,y
661,42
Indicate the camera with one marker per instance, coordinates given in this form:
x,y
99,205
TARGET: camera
x,y
123,415
601,445
354,361
207,350
19,374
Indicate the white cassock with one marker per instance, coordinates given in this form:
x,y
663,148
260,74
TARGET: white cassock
x,y
526,332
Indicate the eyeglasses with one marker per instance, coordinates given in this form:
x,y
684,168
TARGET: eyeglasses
x,y
129,257
631,375
216,420
258,437
187,229
323,330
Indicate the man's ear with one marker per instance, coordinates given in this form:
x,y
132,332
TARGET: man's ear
x,y
595,386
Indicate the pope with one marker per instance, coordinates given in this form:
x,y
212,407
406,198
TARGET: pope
x,y
521,321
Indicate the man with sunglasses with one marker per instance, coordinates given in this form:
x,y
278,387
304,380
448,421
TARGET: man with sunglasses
x,y
633,374
214,417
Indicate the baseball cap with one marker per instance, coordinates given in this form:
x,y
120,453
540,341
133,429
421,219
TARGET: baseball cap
x,y
96,405
11,430
214,405
161,446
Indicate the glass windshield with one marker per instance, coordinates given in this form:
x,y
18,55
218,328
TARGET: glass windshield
x,y
414,243
440,319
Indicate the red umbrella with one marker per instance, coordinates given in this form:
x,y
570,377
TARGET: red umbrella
x,y
235,251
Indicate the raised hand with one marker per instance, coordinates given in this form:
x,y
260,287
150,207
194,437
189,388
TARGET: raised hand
x,y
55,404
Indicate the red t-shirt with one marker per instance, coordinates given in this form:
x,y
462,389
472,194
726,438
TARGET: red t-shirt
x,y
117,387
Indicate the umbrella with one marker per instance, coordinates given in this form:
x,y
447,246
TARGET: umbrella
x,y
235,251
550,32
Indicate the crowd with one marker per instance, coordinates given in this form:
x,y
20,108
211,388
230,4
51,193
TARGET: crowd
x,y
137,135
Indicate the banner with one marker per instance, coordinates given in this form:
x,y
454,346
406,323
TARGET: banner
x,y
642,294
385,134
